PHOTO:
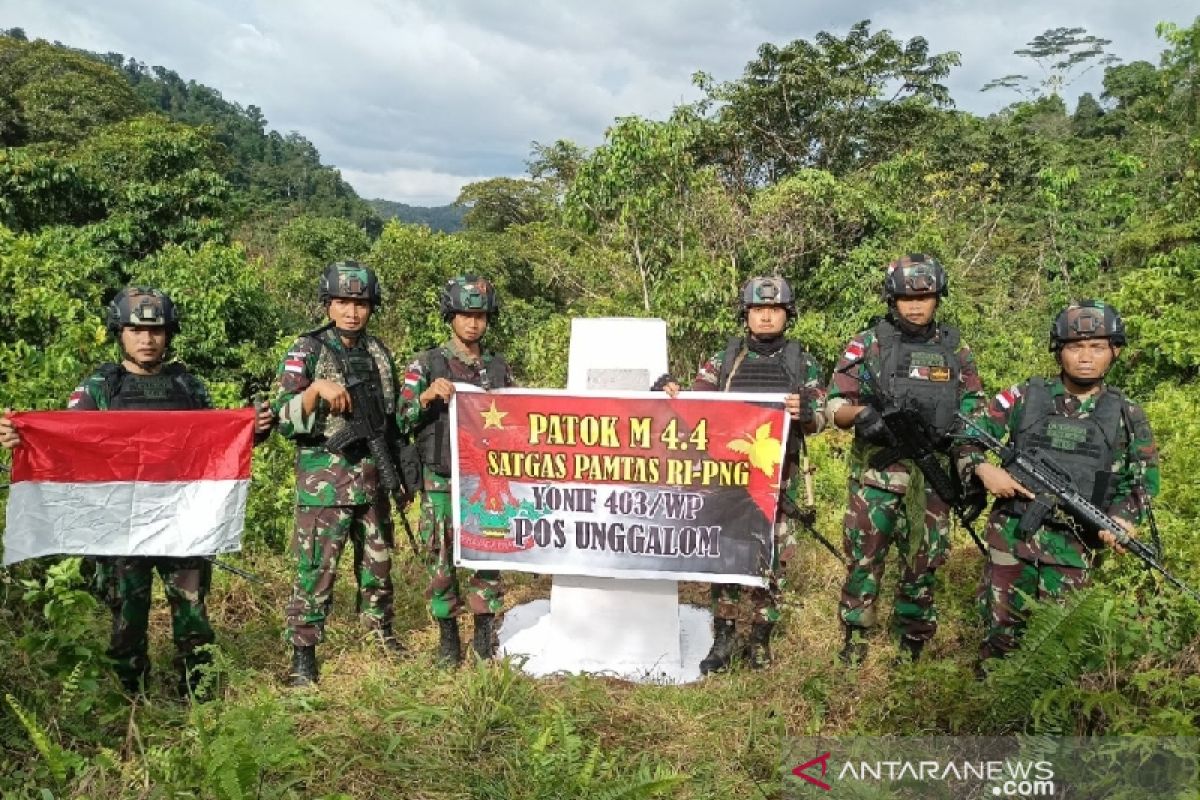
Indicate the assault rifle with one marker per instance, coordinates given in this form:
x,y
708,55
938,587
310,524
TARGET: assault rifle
x,y
368,423
1054,488
910,437
807,516
232,570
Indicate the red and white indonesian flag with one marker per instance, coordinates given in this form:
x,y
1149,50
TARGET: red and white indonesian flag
x,y
128,483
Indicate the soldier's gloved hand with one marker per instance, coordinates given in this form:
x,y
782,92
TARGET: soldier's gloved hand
x,y
666,383
870,427
799,405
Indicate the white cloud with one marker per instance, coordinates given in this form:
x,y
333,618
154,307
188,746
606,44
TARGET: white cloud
x,y
409,97
413,186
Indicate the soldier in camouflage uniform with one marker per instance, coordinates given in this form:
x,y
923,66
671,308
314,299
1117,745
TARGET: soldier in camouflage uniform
x,y
915,362
468,303
761,360
143,321
338,494
1091,431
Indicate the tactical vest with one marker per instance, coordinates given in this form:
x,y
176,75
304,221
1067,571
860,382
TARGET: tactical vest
x,y
1083,447
166,390
781,372
369,363
433,438
921,374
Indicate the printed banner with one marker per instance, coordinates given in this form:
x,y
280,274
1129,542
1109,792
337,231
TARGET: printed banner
x,y
619,484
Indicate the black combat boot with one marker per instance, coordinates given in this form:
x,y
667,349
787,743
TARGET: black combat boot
x,y
449,649
135,683
389,641
721,654
758,649
484,640
854,650
912,647
304,666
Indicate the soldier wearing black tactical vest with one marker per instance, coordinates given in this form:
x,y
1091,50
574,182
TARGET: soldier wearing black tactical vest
x,y
761,360
1092,432
468,304
906,359
143,321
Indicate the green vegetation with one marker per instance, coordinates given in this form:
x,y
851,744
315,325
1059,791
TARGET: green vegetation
x,y
810,164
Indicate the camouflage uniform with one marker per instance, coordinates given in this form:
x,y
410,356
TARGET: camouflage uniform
x,y
125,582
892,504
765,601
484,591
338,497
1052,561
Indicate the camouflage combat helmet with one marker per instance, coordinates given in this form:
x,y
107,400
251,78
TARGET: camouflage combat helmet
x,y
468,293
767,291
139,305
349,280
914,275
1087,319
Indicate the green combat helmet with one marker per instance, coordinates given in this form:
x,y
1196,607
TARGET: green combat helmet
x,y
767,291
914,275
468,293
139,305
1087,319
349,280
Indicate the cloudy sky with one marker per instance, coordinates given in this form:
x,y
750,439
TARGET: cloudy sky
x,y
413,98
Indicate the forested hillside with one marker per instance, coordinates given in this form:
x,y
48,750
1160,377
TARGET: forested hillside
x,y
824,160
446,219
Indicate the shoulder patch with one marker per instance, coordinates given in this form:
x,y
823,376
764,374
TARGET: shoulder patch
x,y
1008,398
855,350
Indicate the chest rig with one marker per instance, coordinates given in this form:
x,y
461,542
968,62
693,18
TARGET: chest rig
x,y
1083,447
433,438
921,374
367,361
166,390
742,371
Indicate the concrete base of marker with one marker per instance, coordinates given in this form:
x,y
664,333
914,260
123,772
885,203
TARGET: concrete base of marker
x,y
531,634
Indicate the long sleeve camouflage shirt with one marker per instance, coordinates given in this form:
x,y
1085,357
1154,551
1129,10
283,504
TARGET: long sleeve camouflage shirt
x,y
412,416
1135,469
851,386
324,478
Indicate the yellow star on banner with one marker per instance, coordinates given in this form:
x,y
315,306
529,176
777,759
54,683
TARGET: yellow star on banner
x,y
493,416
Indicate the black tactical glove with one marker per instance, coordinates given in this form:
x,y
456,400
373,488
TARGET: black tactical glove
x,y
806,409
870,427
662,382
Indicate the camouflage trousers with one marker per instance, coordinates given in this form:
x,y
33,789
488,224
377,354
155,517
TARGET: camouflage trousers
x,y
186,582
485,595
874,520
764,601
1009,584
320,535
